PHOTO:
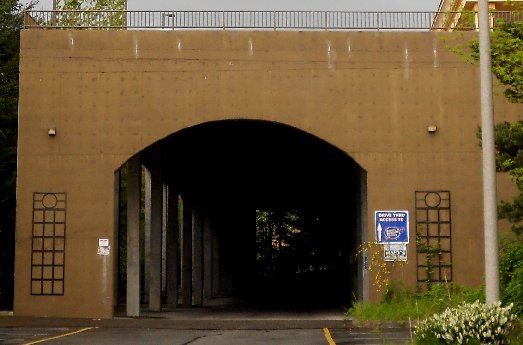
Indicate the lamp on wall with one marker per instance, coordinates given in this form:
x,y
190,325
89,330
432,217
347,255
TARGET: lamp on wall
x,y
51,132
432,128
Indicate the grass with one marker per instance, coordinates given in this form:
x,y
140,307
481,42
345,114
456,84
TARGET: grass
x,y
516,336
402,304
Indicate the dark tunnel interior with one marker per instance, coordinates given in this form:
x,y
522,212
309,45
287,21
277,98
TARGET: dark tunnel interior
x,y
287,206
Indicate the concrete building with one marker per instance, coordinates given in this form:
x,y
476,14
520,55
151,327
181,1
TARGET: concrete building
x,y
213,126
462,14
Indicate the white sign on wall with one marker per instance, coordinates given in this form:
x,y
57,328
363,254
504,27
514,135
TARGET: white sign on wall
x,y
104,248
395,251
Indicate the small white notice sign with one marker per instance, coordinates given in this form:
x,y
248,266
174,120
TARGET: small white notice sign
x,y
395,251
104,248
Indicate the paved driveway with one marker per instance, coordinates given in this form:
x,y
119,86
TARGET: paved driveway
x,y
135,336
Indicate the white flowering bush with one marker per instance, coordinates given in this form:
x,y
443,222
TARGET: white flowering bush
x,y
469,323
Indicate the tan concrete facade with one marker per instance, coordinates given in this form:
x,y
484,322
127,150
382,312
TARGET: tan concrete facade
x,y
110,94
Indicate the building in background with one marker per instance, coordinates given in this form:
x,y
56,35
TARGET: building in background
x,y
462,14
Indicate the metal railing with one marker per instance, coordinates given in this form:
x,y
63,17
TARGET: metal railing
x,y
260,20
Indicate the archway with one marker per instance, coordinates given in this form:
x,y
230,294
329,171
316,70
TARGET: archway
x,y
256,214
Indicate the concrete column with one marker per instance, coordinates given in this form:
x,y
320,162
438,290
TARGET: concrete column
x,y
155,283
197,258
133,236
207,261
115,245
172,247
363,270
215,260
147,236
164,238
186,262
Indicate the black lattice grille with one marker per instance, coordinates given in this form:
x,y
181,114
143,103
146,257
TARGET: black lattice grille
x,y
433,236
48,244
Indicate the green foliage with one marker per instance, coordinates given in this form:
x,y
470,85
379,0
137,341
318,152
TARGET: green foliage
x,y
468,323
91,13
511,273
431,252
401,303
10,25
507,66
516,336
507,57
509,158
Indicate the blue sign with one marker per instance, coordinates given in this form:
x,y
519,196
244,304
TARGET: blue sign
x,y
392,226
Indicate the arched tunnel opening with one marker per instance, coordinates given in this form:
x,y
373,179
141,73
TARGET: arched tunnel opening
x,y
254,214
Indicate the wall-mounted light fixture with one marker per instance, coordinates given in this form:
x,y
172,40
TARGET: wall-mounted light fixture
x,y
51,132
432,128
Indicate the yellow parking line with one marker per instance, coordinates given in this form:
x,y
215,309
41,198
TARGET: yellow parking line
x,y
60,336
328,336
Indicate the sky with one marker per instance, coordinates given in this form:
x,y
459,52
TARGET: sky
x,y
306,5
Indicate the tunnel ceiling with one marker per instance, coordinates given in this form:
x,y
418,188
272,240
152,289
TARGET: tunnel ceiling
x,y
263,164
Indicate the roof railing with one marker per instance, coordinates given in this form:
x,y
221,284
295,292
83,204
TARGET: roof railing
x,y
259,20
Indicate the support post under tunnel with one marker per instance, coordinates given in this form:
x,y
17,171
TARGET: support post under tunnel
x,y
172,235
155,276
133,237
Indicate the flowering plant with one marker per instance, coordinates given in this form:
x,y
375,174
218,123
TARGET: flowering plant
x,y
469,323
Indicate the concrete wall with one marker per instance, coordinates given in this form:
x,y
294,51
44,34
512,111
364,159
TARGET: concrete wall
x,y
110,94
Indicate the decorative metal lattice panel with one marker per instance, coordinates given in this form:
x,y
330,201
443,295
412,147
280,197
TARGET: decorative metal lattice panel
x,y
48,244
433,236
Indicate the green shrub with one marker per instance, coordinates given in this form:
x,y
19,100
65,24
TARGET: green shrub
x,y
511,273
469,323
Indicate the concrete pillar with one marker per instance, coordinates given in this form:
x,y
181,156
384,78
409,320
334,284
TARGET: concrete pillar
x,y
155,283
244,257
215,260
364,274
133,236
147,235
207,261
164,238
171,239
115,245
186,262
197,258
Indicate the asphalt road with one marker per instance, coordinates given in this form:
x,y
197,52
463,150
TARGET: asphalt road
x,y
134,336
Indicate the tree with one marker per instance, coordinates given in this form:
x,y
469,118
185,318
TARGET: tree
x,y
507,66
509,145
91,13
507,57
11,20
